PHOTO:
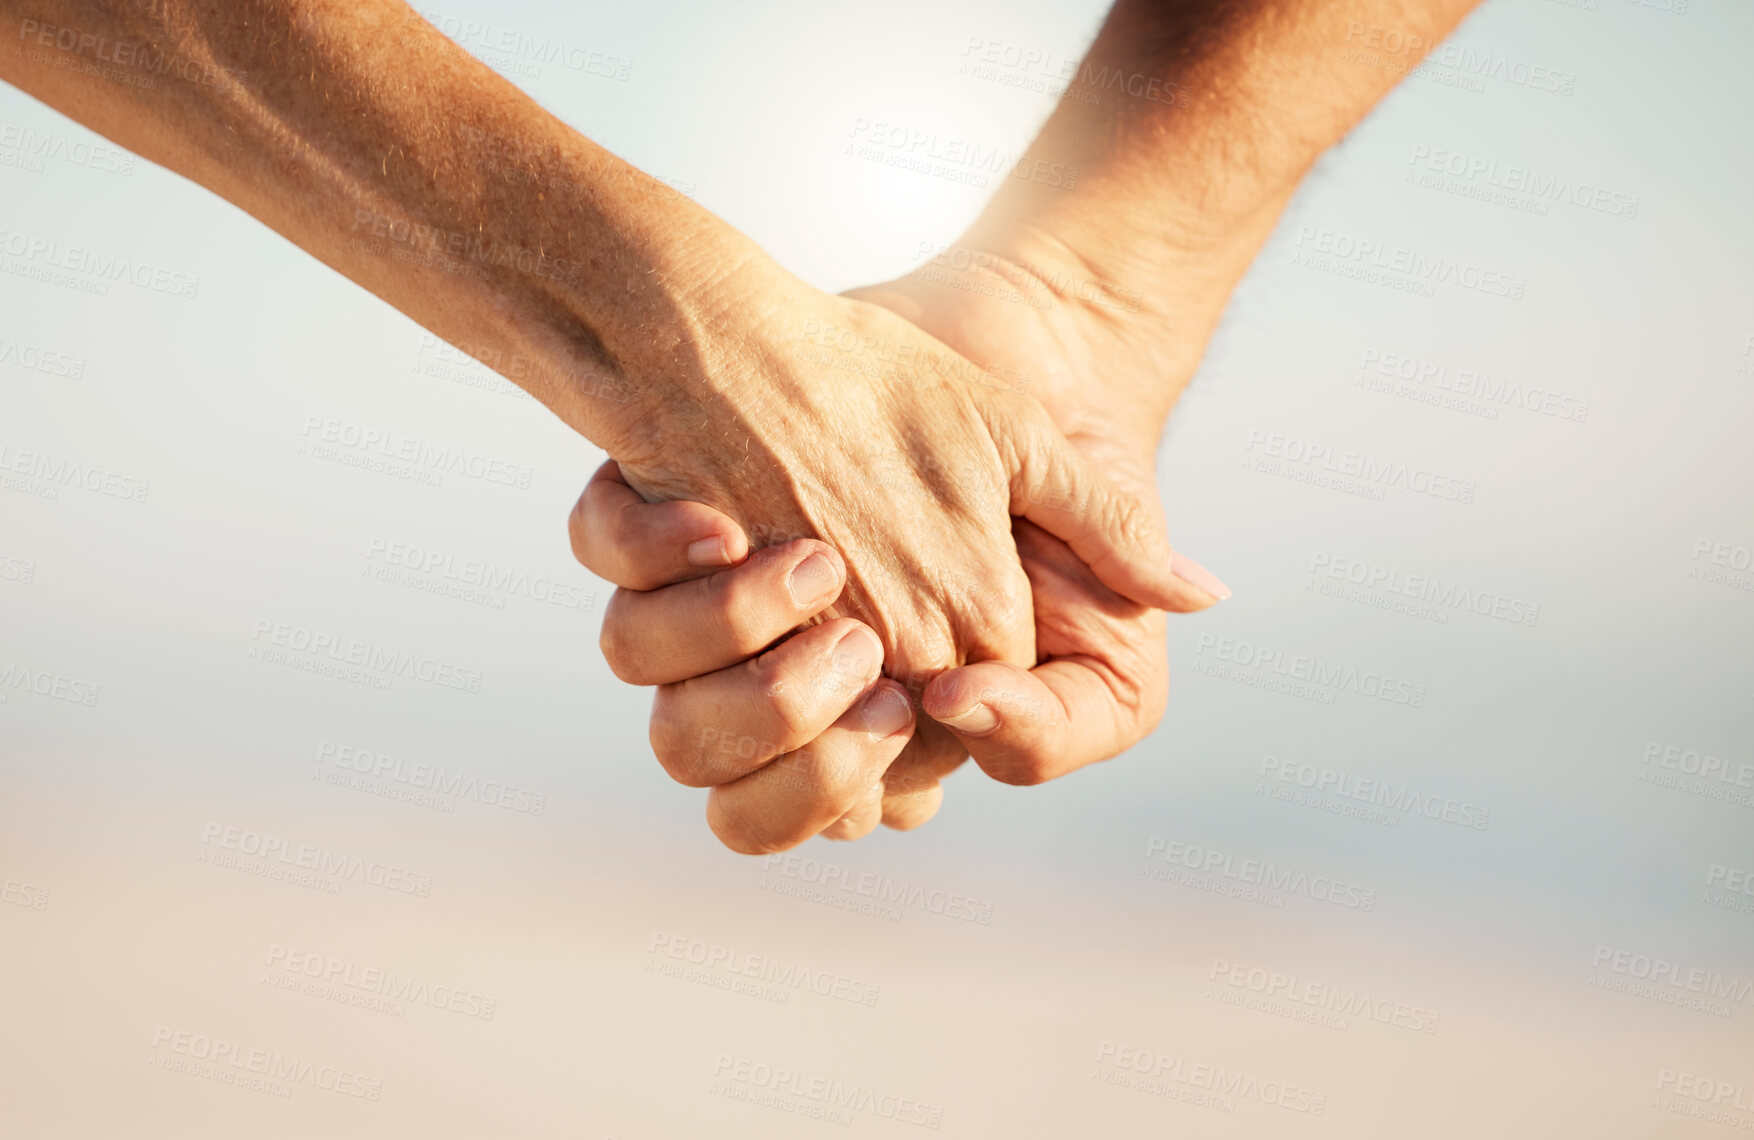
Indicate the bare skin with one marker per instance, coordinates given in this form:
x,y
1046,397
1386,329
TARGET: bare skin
x,y
1207,115
360,133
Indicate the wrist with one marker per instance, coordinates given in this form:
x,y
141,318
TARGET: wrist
x,y
629,341
1091,257
1140,299
1105,358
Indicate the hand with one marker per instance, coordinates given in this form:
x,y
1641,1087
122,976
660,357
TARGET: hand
x,y
930,562
1102,690
792,740
1097,368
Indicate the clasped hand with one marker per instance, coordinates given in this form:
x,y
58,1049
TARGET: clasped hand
x,y
861,558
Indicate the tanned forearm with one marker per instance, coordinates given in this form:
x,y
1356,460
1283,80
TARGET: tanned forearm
x,y
1190,123
361,133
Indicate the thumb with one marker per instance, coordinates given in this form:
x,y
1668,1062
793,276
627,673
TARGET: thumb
x,y
1122,541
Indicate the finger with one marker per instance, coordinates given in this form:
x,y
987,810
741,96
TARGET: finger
x,y
912,791
801,793
912,806
714,729
623,539
657,637
1029,726
860,820
1123,542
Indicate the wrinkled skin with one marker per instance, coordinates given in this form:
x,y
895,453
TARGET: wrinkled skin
x,y
862,431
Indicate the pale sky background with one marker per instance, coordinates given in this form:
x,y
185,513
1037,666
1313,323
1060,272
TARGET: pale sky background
x,y
1650,319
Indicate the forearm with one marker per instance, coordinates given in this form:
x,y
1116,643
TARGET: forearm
x,y
362,134
1190,124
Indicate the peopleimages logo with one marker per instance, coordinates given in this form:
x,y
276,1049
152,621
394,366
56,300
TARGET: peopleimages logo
x,y
1300,991
1045,284
287,643
1119,1064
39,359
1414,265
1523,180
97,265
420,454
1719,1093
431,778
1257,663
510,373
958,160
339,979
468,579
56,686
907,363
23,894
1275,453
20,570
1461,59
132,63
272,850
75,152
1701,765
1723,563
1045,72
524,51
473,253
1730,879
1437,596
1256,873
230,1063
44,475
1377,793
832,880
1735,888
740,1077
1659,979
1471,389
725,966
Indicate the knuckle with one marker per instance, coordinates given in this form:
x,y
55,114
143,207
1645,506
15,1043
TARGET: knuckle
x,y
620,526
1154,703
618,646
620,552
735,612
576,533
787,703
900,782
793,718
682,752
823,779
1133,523
911,809
1140,688
1023,770
742,833
631,575
607,555
843,830
1006,606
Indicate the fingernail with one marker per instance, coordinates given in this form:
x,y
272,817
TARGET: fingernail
x,y
709,552
814,581
977,720
1198,576
885,713
858,656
